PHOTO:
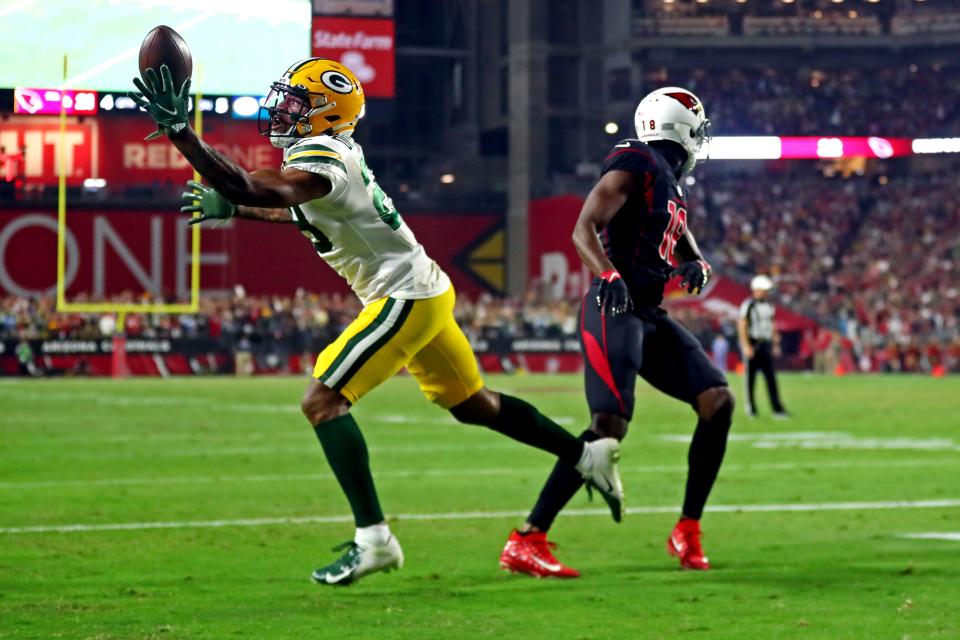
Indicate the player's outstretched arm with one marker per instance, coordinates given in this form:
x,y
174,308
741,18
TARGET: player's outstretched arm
x,y
264,188
603,203
694,271
269,188
208,204
264,214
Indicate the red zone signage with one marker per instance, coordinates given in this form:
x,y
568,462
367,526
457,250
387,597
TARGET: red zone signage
x,y
363,45
113,148
111,252
40,139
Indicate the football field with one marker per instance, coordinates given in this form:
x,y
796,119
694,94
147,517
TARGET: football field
x,y
197,508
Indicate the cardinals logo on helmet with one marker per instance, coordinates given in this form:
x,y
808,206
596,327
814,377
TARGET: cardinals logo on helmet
x,y
688,100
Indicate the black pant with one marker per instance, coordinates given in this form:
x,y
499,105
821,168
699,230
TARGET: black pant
x,y
762,361
647,343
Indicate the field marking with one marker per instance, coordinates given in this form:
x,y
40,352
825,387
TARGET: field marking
x,y
141,401
292,407
820,440
445,473
292,450
952,536
482,515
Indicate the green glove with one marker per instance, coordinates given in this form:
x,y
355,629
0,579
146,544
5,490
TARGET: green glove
x,y
167,107
207,202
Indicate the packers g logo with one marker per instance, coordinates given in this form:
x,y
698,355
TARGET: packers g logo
x,y
337,81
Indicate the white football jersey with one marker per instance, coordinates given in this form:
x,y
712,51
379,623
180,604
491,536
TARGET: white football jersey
x,y
356,229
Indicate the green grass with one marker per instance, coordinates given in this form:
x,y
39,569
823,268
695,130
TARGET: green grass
x,y
140,451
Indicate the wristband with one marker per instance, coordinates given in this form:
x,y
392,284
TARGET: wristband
x,y
610,276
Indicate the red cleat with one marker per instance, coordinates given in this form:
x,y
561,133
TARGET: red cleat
x,y
530,554
684,543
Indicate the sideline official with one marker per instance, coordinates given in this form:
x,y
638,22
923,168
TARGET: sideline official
x,y
760,344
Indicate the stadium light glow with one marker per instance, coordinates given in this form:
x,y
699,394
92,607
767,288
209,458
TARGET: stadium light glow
x,y
821,147
611,127
447,178
936,145
742,148
246,106
125,102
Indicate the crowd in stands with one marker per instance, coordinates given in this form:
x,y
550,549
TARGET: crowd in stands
x,y
877,259
884,303
243,321
910,100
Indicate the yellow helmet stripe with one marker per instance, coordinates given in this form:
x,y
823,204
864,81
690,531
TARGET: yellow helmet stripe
x,y
305,154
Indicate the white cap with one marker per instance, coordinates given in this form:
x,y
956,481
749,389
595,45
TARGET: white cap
x,y
762,283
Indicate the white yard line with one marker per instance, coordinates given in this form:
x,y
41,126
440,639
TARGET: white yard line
x,y
292,407
952,536
262,450
465,472
828,440
481,515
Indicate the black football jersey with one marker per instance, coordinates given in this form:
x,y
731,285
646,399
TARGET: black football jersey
x,y
641,237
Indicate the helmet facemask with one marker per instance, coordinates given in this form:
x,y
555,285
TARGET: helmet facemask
x,y
693,142
286,112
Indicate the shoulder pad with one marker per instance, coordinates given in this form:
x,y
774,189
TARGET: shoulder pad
x,y
631,155
319,154
329,142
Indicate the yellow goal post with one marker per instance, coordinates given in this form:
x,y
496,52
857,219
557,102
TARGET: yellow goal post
x,y
121,309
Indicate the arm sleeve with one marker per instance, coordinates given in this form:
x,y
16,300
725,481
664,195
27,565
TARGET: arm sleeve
x,y
745,309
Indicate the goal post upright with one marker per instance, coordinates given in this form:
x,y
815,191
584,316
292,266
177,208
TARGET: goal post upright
x,y
120,309
65,306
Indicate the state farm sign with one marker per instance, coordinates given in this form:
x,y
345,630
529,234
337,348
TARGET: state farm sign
x,y
364,45
40,139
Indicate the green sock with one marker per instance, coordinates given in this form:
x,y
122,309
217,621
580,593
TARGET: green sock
x,y
523,422
346,453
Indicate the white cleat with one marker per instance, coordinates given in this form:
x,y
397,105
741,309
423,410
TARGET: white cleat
x,y
359,561
598,466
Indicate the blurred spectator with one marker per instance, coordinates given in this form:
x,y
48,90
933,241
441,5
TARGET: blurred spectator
x,y
808,101
873,260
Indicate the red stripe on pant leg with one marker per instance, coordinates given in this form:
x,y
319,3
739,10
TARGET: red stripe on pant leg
x,y
598,360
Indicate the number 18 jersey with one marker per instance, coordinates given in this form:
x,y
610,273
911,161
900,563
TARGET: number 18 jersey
x,y
356,229
641,237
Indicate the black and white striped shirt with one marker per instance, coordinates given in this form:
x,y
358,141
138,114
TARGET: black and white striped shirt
x,y
759,316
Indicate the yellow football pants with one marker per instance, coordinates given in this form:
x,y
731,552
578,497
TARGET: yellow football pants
x,y
389,334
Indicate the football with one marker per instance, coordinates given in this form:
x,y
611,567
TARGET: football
x,y
163,45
